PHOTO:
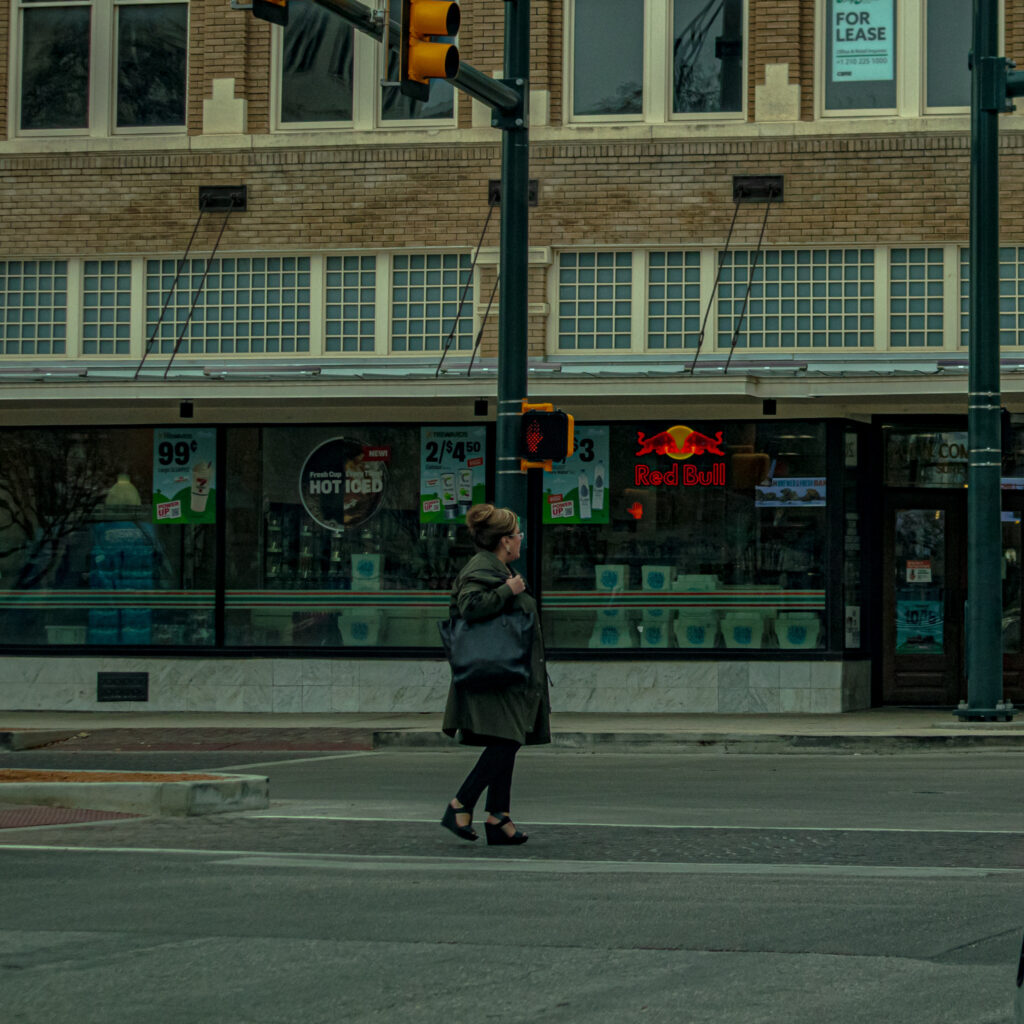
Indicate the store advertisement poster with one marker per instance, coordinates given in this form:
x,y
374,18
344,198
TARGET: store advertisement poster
x,y
452,472
184,476
919,627
791,492
863,37
576,491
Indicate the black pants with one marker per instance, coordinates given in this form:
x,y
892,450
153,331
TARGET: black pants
x,y
493,772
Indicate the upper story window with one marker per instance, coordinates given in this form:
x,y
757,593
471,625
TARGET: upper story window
x,y
330,76
906,58
687,58
98,67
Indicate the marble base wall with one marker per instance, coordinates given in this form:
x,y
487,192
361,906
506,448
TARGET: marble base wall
x,y
335,684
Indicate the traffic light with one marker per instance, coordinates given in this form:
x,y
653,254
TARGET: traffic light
x,y
546,435
271,10
422,59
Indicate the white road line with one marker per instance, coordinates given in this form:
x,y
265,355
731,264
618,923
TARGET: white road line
x,y
693,828
353,862
298,760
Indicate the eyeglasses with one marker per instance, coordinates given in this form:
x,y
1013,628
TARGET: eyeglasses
x,y
518,535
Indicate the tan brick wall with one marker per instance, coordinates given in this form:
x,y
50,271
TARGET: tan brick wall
x,y
774,38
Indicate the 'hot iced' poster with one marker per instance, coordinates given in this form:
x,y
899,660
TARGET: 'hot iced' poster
x,y
577,490
452,472
184,480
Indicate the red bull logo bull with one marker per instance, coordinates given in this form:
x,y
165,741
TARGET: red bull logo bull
x,y
679,443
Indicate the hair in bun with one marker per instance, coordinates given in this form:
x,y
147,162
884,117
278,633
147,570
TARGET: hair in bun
x,y
487,525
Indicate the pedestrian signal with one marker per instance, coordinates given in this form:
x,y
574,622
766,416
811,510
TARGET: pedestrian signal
x,y
422,58
546,436
275,11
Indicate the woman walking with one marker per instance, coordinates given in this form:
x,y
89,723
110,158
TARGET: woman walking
x,y
499,721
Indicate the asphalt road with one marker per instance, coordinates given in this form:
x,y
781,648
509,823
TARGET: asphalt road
x,y
693,888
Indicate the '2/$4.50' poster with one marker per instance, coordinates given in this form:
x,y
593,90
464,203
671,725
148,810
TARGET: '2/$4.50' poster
x,y
452,472
183,476
576,491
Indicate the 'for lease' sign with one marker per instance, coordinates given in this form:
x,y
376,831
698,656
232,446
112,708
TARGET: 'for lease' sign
x,y
863,36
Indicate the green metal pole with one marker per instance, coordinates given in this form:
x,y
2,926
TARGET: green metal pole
x,y
984,531
510,483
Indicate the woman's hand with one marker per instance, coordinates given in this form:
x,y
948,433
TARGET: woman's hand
x,y
516,584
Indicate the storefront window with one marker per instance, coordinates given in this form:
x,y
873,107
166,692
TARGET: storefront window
x,y
333,540
107,537
709,535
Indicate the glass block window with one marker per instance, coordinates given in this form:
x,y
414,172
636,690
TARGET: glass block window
x,y
33,307
915,298
426,292
1011,295
248,305
595,293
673,300
799,298
106,307
351,299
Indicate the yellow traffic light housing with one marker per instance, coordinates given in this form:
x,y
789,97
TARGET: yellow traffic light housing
x,y
275,11
546,434
424,21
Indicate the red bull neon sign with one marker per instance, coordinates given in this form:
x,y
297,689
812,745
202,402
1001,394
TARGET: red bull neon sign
x,y
679,443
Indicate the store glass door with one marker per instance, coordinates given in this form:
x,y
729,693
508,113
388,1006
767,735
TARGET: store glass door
x,y
925,587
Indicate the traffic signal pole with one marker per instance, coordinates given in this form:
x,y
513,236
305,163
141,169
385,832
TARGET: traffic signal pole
x,y
510,482
991,84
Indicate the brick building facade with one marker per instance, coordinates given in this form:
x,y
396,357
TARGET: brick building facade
x,y
835,349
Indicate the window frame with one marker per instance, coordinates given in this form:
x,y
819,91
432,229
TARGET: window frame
x,y
368,70
101,100
657,73
911,55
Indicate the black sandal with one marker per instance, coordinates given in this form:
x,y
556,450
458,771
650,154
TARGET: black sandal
x,y
497,836
462,831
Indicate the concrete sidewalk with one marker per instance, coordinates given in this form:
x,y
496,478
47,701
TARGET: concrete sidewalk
x,y
881,730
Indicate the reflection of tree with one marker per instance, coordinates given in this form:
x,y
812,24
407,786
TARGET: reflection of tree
x,y
628,99
706,78
317,79
50,484
56,68
151,65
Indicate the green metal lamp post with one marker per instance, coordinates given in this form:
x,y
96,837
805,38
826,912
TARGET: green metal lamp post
x,y
990,85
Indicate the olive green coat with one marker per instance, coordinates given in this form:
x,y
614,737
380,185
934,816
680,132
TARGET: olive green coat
x,y
517,713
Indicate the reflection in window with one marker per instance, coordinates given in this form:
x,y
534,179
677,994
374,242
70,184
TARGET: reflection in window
x,y
860,73
707,56
55,68
735,559
608,57
81,560
152,57
316,63
380,578
949,40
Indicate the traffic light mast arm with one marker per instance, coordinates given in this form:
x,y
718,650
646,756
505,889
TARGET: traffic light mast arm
x,y
505,99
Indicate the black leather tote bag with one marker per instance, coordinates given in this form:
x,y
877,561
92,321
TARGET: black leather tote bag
x,y
489,654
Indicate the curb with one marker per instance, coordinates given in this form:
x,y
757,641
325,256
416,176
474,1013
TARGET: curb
x,y
727,743
152,799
